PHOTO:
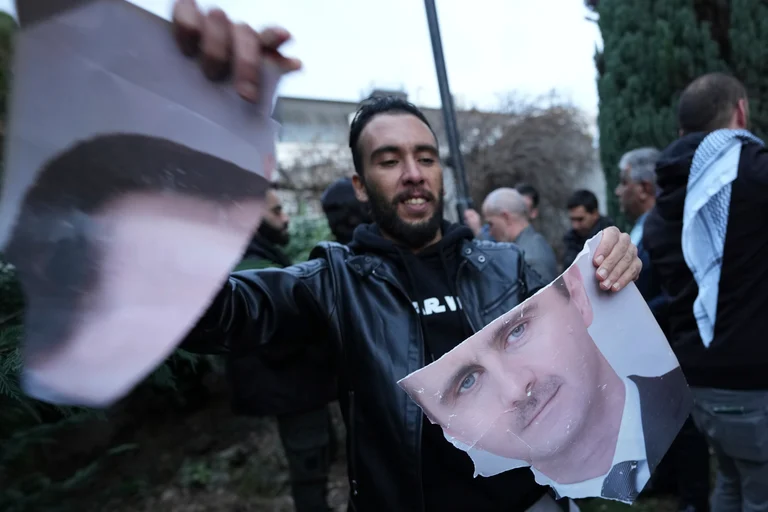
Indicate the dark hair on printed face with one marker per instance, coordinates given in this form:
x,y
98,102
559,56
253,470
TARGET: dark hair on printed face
x,y
52,242
371,108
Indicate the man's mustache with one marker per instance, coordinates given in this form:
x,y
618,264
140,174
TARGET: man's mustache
x,y
525,410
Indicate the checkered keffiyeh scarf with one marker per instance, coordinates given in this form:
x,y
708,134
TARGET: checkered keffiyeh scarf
x,y
705,218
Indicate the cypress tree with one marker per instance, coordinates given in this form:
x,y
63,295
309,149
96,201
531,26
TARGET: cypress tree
x,y
749,57
651,50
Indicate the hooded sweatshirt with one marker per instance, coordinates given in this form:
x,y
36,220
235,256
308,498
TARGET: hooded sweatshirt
x,y
738,355
429,277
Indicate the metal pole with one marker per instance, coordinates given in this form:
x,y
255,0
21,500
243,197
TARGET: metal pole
x,y
449,114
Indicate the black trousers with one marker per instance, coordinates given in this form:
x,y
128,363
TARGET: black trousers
x,y
309,442
685,470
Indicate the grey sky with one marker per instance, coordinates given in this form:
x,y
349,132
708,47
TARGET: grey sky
x,y
492,47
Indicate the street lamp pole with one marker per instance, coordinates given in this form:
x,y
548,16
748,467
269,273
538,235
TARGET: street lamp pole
x,y
449,114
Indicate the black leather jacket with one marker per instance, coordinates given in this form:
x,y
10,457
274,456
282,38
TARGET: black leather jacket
x,y
356,301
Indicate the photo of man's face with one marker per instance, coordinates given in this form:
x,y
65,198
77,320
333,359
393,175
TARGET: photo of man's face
x,y
577,383
523,387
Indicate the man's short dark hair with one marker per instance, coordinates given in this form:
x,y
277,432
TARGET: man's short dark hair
x,y
708,102
54,244
369,109
583,198
530,191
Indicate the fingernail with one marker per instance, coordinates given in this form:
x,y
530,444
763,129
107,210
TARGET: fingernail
x,y
599,259
248,90
602,273
606,284
616,287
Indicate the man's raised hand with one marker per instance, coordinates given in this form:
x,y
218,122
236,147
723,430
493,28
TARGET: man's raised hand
x,y
616,259
229,49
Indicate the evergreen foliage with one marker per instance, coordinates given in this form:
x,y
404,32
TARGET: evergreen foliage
x,y
652,49
749,57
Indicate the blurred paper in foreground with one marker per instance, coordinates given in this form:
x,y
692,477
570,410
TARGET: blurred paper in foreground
x,y
132,185
576,382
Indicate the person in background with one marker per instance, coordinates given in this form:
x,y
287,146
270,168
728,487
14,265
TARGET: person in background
x,y
342,209
586,222
506,212
264,386
483,230
685,468
531,197
707,238
265,248
636,193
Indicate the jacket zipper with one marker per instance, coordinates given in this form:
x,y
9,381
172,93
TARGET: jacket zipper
x,y
458,290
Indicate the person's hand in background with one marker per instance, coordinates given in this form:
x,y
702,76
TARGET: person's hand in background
x,y
473,220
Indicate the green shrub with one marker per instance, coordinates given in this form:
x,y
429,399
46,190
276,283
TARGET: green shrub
x,y
306,232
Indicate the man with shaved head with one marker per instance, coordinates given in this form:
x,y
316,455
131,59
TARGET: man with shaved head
x,y
506,212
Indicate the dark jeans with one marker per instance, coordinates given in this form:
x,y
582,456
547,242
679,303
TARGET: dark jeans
x,y
308,440
736,425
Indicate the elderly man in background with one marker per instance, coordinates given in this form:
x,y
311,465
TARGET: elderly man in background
x,y
686,466
637,189
506,212
636,192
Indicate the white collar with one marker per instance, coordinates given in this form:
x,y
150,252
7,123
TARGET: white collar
x,y
630,445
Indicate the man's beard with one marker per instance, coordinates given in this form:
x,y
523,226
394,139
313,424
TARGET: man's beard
x,y
415,235
273,235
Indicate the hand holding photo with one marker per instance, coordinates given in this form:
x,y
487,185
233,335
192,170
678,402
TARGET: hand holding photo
x,y
578,383
132,186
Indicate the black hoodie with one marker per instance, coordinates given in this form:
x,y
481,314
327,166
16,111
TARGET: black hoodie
x,y
738,355
429,278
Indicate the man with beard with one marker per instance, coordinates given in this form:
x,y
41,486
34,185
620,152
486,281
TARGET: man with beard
x,y
409,288
303,417
264,249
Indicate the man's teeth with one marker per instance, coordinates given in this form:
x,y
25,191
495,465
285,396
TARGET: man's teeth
x,y
416,200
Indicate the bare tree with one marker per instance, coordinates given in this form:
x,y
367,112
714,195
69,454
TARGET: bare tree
x,y
544,142
306,170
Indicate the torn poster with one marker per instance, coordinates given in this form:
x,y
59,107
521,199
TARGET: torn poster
x,y
578,383
132,186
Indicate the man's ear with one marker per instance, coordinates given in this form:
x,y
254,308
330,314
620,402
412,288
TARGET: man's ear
x,y
360,193
742,114
575,284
